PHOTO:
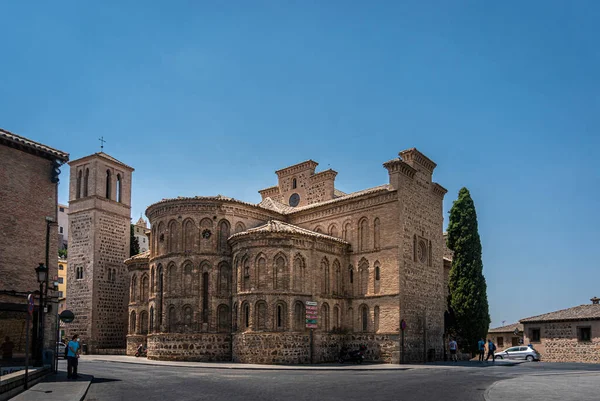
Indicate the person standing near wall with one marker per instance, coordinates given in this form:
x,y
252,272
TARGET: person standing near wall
x,y
481,349
453,348
72,357
491,351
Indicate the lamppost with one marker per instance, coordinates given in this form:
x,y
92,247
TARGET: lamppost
x,y
42,277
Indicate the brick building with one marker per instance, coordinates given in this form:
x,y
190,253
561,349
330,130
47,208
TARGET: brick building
x,y
506,336
226,279
99,235
567,335
28,199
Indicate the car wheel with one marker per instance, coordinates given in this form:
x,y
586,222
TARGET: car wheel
x,y
529,358
499,357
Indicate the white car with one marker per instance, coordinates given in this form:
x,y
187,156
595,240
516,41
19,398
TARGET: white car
x,y
525,352
61,349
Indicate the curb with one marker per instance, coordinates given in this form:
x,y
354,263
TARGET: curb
x,y
270,368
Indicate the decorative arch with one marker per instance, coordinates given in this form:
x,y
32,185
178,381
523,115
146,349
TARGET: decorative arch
x,y
363,234
205,297
172,319
133,289
363,276
224,275
260,316
351,280
206,235
376,233
173,232
294,183
145,286
364,318
189,235
119,189
245,315
132,323
223,318
172,279
224,230
376,319
377,278
325,317
246,273
188,317
239,227
152,283
336,317
280,272
325,279
333,230
160,240
299,316
78,193
318,229
347,231
337,278
108,185
151,325
350,318
299,273
86,182
262,274
188,279
144,325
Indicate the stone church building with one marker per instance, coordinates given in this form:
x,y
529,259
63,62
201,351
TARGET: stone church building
x,y
229,280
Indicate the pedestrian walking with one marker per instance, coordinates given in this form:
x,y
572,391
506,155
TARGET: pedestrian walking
x,y
72,357
491,351
481,349
453,348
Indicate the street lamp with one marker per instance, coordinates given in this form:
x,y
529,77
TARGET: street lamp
x,y
42,277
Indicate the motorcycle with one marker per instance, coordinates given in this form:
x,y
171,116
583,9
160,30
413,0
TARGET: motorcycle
x,y
356,356
141,351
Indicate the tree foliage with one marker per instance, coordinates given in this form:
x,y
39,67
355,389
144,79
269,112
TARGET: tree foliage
x,y
468,289
134,244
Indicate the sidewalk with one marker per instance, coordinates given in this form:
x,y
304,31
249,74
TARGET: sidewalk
x,y
573,386
366,366
56,387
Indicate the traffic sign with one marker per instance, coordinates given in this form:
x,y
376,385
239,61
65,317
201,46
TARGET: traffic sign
x,y
30,304
402,325
311,326
311,303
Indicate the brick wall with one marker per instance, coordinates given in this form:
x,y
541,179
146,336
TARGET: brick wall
x,y
559,341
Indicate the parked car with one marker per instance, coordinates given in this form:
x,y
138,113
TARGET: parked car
x,y
524,352
61,349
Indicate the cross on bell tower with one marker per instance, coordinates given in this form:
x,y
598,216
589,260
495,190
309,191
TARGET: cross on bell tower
x,y
102,141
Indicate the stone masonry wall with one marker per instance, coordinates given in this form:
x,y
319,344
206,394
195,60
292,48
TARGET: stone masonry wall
x,y
27,197
133,341
559,341
271,348
204,347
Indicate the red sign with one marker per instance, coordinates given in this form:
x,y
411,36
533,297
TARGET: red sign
x,y
311,326
311,307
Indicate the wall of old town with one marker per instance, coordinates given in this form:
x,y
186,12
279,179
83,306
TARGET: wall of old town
x,y
205,347
559,341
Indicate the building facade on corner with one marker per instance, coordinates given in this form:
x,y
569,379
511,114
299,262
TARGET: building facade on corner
x,y
229,280
139,231
63,226
567,335
506,336
28,237
99,236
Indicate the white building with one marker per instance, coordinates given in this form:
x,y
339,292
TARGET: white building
x,y
63,226
139,230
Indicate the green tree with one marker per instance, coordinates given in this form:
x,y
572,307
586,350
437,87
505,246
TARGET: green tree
x,y
134,244
468,290
62,253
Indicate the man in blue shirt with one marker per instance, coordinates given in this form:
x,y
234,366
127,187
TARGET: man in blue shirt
x,y
481,349
72,355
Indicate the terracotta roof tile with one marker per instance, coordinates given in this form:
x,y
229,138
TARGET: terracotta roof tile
x,y
17,140
508,328
581,312
139,256
276,226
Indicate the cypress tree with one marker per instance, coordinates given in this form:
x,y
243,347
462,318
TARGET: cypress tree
x,y
134,244
468,290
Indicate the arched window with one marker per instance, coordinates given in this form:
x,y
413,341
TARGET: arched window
x,y
223,318
260,318
133,291
351,274
325,317
172,319
377,281
151,327
363,234
376,319
294,183
376,228
205,305
347,232
333,231
108,186
143,322
246,274
377,273
246,314
223,235
152,284
299,316
86,182
350,319
78,193
280,316
239,227
132,323
188,271
318,229
364,318
119,188
234,320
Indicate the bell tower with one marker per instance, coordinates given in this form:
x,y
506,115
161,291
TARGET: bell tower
x,y
99,232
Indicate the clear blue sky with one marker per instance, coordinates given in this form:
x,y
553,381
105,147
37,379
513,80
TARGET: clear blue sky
x,y
205,98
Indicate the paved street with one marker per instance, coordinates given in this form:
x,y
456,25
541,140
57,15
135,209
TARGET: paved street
x,y
527,381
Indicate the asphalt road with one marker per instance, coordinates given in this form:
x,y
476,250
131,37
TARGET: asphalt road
x,y
118,381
